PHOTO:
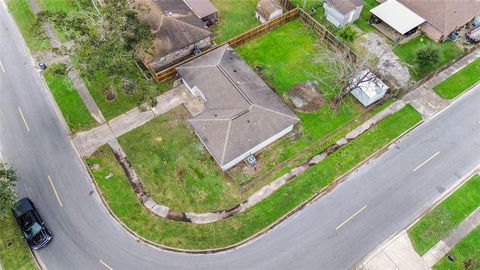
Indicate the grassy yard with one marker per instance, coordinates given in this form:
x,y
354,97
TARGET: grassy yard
x,y
66,6
362,22
125,205
286,64
26,19
195,183
467,254
71,105
174,166
443,218
16,257
460,81
234,17
448,51
123,102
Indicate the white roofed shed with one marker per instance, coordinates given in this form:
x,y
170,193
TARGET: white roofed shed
x,y
368,87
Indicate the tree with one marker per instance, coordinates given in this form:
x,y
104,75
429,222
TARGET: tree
x,y
346,72
347,33
8,180
427,57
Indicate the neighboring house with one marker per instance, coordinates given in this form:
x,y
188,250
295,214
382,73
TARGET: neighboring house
x,y
268,10
177,31
204,9
242,115
369,88
342,12
442,17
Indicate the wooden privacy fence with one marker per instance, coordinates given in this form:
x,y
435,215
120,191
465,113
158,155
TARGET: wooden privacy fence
x,y
169,72
290,15
326,35
286,4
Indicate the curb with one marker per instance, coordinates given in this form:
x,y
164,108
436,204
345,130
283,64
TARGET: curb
x,y
424,211
417,217
257,235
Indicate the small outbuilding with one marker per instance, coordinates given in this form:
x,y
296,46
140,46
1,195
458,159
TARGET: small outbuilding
x,y
342,12
204,9
268,10
368,88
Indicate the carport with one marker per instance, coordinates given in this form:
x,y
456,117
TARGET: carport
x,y
397,21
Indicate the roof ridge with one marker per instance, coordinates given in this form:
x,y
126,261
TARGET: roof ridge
x,y
226,142
277,112
172,18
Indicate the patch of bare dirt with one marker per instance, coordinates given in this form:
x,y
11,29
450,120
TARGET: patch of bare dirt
x,y
305,97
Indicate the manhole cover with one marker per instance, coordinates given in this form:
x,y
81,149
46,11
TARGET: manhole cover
x,y
9,244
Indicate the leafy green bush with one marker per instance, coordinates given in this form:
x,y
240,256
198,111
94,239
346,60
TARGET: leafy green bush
x,y
347,33
59,69
427,57
8,179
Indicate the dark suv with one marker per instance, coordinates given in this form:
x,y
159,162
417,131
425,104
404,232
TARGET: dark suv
x,y
31,224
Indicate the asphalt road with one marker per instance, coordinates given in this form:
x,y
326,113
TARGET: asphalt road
x,y
386,194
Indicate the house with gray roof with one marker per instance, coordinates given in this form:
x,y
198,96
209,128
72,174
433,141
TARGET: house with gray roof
x,y
243,115
342,12
177,31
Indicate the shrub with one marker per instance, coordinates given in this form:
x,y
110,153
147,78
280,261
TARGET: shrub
x,y
427,57
347,33
59,69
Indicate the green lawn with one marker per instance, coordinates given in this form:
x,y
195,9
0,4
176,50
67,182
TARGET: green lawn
x,y
447,215
460,81
123,102
362,22
448,51
23,14
198,184
467,254
66,6
71,105
125,205
234,18
174,166
17,256
286,64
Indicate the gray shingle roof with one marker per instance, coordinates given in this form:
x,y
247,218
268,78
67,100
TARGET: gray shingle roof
x,y
345,6
174,24
241,110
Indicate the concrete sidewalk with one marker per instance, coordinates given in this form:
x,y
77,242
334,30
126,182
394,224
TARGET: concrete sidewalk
x,y
437,252
399,254
425,99
89,141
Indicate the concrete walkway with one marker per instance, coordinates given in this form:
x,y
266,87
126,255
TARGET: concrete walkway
x,y
73,74
425,99
398,254
89,141
453,69
444,246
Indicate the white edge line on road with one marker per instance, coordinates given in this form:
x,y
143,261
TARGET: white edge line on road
x,y
106,265
426,161
23,118
350,218
2,66
55,191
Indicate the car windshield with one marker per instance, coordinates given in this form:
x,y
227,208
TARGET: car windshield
x,y
33,230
